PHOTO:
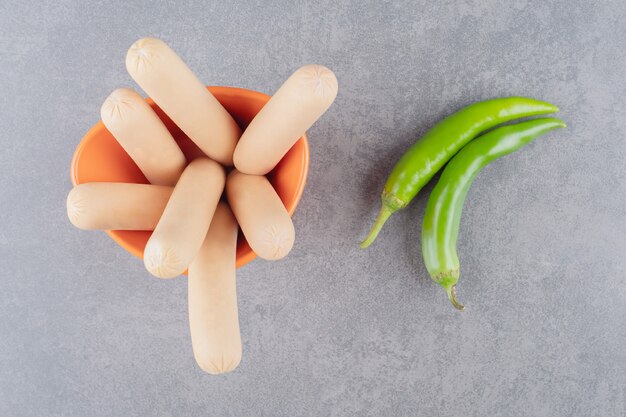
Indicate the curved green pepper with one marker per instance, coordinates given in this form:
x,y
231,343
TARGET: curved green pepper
x,y
418,165
443,211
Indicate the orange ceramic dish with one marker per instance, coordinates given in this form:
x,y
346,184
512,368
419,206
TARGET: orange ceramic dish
x,y
100,158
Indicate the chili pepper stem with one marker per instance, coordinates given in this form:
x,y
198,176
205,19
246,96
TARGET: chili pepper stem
x,y
451,290
383,215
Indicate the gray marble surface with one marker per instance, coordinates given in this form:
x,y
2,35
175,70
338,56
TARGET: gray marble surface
x,y
331,330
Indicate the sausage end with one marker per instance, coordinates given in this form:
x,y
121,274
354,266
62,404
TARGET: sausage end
x,y
219,363
117,104
76,208
208,166
162,262
143,54
319,80
276,242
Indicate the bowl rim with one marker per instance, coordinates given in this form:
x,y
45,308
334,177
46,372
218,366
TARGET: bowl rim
x,y
248,256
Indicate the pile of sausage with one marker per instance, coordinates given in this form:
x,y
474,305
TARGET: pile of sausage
x,y
192,228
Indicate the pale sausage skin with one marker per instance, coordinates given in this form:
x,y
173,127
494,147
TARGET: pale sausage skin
x,y
116,206
183,226
297,104
261,214
213,316
171,84
143,136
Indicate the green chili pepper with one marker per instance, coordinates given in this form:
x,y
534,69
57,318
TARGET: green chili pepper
x,y
443,211
418,165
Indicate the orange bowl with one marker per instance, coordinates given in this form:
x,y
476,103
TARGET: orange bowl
x,y
100,158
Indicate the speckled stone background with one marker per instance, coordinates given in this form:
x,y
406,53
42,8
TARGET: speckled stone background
x,y
331,330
